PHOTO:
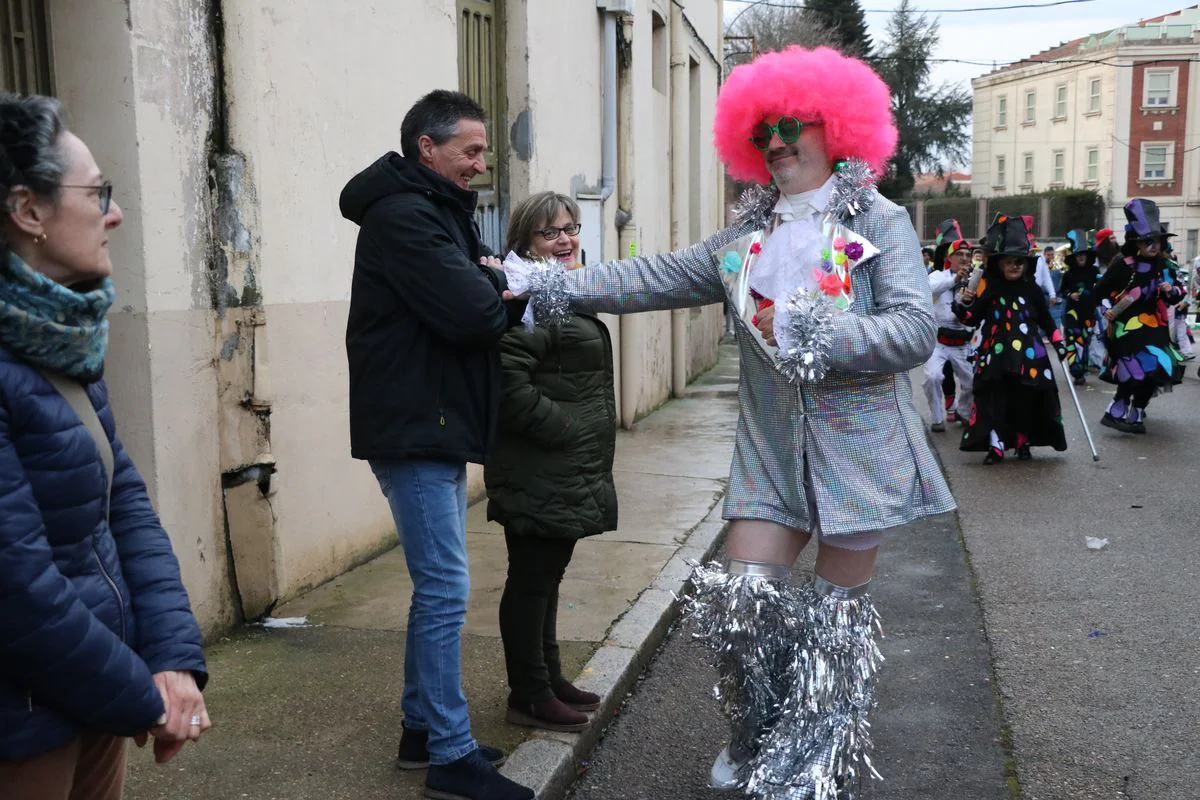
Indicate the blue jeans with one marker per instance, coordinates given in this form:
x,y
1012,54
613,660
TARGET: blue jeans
x,y
429,503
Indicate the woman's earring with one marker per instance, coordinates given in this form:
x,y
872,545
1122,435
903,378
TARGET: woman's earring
x,y
40,238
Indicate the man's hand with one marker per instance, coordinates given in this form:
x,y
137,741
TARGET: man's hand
x,y
765,322
1110,315
1055,301
1074,295
967,297
491,261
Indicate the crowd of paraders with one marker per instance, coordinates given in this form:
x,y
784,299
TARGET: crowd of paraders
x,y
1114,306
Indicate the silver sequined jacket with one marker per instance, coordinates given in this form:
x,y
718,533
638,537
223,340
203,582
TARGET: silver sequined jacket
x,y
857,430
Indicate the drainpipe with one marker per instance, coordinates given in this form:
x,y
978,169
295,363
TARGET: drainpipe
x,y
679,189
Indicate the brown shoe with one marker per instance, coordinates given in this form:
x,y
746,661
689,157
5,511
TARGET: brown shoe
x,y
551,715
576,698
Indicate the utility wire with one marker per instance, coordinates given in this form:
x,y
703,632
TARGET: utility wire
x,y
771,4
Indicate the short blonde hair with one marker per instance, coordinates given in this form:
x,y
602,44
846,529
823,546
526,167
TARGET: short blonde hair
x,y
531,215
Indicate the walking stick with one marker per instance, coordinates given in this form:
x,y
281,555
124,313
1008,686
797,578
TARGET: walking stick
x,y
1075,396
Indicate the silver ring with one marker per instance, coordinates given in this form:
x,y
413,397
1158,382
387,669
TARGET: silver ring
x,y
196,720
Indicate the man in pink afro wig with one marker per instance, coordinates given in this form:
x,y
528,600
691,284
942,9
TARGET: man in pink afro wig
x,y
829,445
851,104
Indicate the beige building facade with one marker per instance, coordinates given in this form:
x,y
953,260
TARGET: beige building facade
x,y
1114,111
229,128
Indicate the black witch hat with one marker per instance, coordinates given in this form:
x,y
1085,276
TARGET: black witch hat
x,y
1008,236
1143,223
948,232
1080,241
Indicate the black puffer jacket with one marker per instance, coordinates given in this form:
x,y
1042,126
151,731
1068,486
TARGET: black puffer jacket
x,y
425,318
550,473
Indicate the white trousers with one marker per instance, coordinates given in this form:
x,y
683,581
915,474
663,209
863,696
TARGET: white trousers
x,y
964,373
1179,333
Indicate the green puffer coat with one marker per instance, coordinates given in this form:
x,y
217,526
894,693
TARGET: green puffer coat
x,y
550,470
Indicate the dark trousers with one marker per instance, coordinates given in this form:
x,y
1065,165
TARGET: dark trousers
x,y
1139,392
529,614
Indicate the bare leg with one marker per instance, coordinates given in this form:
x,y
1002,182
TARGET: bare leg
x,y
765,542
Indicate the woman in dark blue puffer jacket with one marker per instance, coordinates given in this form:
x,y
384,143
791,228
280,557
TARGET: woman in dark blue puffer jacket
x,y
97,640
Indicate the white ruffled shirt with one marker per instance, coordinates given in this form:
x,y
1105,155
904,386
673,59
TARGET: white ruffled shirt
x,y
805,205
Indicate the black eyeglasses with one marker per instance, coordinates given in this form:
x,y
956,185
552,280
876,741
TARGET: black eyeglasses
x,y
550,234
788,129
103,191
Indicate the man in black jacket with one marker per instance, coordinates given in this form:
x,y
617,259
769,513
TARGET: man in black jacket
x,y
426,317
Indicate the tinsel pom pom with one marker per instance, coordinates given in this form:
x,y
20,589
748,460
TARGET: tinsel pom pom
x,y
750,624
821,742
804,341
853,190
548,293
756,206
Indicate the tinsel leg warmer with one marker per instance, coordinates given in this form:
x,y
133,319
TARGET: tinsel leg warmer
x,y
796,669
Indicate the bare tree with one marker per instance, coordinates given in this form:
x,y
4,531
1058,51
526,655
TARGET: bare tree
x,y
774,28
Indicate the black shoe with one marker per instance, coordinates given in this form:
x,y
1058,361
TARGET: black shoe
x,y
993,456
1080,380
1023,453
414,751
1109,421
472,778
1135,427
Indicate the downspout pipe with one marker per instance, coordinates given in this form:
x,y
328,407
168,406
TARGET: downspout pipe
x,y
680,163
608,155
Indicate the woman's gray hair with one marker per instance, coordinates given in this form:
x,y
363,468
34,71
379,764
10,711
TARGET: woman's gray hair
x,y
30,131
531,215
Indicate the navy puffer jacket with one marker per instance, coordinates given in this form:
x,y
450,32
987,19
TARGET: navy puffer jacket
x,y
89,609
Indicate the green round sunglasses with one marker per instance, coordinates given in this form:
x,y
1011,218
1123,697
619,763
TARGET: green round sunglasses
x,y
788,129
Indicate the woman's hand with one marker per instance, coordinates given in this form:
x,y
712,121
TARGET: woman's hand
x,y
186,717
1074,295
765,322
967,297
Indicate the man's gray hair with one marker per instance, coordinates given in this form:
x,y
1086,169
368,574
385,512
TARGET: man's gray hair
x,y
436,115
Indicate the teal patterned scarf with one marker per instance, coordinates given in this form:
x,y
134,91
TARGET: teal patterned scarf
x,y
51,326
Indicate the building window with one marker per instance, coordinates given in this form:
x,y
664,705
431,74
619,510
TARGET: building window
x,y
1060,101
1093,165
1002,111
1192,236
1094,95
660,70
1030,107
1027,171
1157,161
481,76
25,48
1158,89
1060,166
1001,178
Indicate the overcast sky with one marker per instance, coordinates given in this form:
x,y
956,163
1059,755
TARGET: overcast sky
x,y
1005,36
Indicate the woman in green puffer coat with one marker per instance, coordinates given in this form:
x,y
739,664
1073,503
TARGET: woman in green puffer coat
x,y
549,475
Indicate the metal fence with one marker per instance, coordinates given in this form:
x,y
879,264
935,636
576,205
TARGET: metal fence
x,y
1052,216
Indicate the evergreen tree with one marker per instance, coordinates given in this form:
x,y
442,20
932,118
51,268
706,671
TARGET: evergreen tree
x,y
932,119
848,22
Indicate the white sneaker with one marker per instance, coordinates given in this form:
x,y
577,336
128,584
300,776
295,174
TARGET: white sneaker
x,y
725,771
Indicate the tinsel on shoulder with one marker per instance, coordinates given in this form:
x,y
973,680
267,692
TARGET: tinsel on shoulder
x,y
546,283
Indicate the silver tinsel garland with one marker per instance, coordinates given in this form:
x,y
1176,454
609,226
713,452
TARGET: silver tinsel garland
x,y
756,206
806,340
853,190
548,293
796,679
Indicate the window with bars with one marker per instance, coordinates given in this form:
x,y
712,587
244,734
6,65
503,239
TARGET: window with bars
x,y
1093,165
25,48
481,76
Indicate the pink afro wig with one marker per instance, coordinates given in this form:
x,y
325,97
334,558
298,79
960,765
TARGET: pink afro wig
x,y
842,92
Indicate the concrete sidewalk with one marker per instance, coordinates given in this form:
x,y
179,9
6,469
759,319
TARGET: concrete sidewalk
x,y
313,712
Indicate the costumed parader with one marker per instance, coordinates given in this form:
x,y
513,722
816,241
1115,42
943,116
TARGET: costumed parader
x,y
832,309
1140,360
1016,396
1107,248
953,348
948,231
1078,281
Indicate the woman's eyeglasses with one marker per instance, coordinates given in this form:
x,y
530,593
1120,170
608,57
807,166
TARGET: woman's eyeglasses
x,y
550,234
788,130
103,191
